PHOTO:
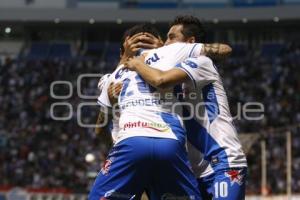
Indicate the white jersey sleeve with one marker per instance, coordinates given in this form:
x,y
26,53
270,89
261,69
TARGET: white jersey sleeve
x,y
201,70
102,81
181,51
103,99
105,105
195,49
187,49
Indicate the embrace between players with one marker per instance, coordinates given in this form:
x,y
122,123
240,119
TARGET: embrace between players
x,y
173,137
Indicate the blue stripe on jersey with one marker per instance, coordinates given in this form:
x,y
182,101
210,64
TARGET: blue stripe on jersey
x,y
201,139
211,102
192,50
188,73
174,123
123,93
143,86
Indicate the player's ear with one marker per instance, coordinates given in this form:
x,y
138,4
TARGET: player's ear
x,y
191,40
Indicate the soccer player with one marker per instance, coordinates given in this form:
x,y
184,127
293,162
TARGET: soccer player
x,y
149,150
149,46
211,130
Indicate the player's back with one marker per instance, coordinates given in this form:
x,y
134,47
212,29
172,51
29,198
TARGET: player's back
x,y
144,111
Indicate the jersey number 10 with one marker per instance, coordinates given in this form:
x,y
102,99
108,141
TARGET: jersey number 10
x,y
221,189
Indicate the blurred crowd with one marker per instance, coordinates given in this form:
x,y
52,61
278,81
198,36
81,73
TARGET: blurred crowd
x,y
37,151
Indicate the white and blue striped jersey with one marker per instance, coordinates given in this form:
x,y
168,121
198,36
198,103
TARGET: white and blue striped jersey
x,y
144,111
211,128
114,124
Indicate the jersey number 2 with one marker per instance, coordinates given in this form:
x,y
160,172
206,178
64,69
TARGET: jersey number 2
x,y
142,86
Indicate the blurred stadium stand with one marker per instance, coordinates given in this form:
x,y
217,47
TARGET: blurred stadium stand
x,y
32,144
204,3
11,48
62,11
95,48
271,50
256,2
60,50
264,67
144,4
112,54
43,50
39,51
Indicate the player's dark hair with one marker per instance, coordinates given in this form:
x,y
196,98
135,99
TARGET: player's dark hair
x,y
192,27
145,27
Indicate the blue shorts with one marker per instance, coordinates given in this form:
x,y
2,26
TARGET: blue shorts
x,y
159,166
226,184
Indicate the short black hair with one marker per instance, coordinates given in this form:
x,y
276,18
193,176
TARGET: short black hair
x,y
192,27
145,28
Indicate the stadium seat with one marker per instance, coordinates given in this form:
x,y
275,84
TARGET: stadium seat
x,y
60,50
38,50
291,1
112,54
271,50
148,4
255,2
98,3
204,3
239,50
94,49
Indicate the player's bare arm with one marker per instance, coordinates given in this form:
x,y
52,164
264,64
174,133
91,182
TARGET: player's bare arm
x,y
101,129
114,90
113,93
103,119
164,79
216,50
156,78
100,123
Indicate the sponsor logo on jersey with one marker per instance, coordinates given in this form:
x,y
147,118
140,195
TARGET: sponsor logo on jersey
x,y
106,167
235,176
142,102
152,59
151,125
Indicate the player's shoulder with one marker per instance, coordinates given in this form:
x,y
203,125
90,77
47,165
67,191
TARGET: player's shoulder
x,y
117,73
173,49
167,49
177,45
